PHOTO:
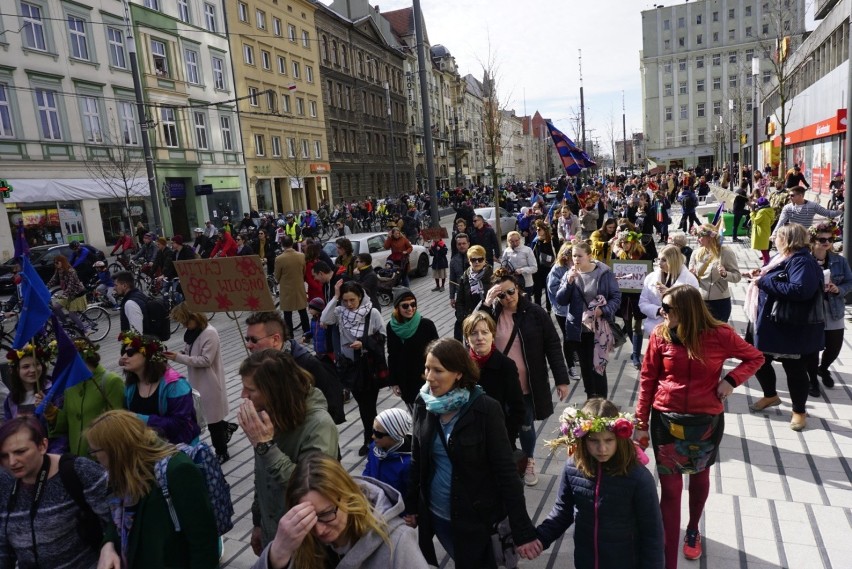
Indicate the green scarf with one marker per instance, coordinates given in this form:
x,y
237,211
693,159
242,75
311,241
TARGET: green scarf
x,y
405,330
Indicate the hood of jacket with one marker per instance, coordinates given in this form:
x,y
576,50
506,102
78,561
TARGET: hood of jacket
x,y
171,375
388,505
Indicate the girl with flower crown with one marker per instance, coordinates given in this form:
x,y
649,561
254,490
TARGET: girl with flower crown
x,y
606,490
715,266
158,394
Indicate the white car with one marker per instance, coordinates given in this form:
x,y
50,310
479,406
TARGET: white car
x,y
508,222
374,244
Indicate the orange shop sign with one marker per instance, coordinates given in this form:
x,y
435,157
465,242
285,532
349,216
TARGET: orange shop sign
x,y
320,168
821,129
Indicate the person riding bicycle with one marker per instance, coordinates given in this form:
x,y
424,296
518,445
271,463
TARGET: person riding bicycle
x,y
72,293
106,286
225,245
124,243
291,228
147,251
309,224
837,188
202,245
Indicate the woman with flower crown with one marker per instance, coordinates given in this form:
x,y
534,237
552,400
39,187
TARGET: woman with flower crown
x,y
28,379
158,394
606,490
682,403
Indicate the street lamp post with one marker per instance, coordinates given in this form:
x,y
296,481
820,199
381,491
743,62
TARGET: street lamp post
x,y
731,141
393,142
755,71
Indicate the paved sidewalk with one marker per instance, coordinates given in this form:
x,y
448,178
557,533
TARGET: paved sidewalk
x,y
779,499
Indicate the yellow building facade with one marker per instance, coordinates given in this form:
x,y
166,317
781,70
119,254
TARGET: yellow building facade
x,y
275,57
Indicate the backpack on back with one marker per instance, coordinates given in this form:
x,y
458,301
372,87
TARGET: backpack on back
x,y
89,526
218,488
777,200
156,321
689,201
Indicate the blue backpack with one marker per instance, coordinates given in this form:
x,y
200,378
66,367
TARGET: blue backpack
x,y
217,487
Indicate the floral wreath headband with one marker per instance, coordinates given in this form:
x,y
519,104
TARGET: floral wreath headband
x,y
706,232
629,236
152,350
86,349
575,424
42,354
824,227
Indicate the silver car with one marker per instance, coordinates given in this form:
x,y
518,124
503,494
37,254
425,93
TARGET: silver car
x,y
374,244
508,222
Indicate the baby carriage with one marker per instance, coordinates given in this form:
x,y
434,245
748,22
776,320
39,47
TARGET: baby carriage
x,y
389,277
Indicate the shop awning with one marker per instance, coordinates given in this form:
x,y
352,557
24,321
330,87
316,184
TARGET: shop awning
x,y
63,190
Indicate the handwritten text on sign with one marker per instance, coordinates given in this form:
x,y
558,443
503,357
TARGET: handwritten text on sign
x,y
225,284
630,274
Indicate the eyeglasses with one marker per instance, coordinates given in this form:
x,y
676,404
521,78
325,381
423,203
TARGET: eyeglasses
x,y
327,516
477,259
255,339
93,451
129,352
379,434
408,305
824,240
665,307
507,292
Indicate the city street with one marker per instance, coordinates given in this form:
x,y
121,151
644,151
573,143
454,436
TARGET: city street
x,y
778,498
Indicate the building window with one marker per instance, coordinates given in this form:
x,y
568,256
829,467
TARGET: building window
x,y
309,74
91,120
669,139
683,137
731,14
701,136
668,89
699,62
306,39
77,31
296,72
170,133
291,32
128,123
282,65
192,75
699,39
748,31
681,65
681,89
225,129
115,39
344,59
748,105
242,11
276,29
300,106
210,17
313,108
683,112
200,130
183,11
305,149
764,29
715,16
291,147
161,62
717,60
767,76
276,146
667,25
717,83
732,57
324,48
681,22
668,113
248,54
667,44
748,11
153,4
252,96
715,37
259,149
732,34
680,42
265,60
667,67
700,110
285,103
219,73
749,55
698,19
732,81
317,149
261,19
33,27
699,85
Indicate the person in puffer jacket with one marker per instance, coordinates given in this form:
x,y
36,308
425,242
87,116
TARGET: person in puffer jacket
x,y
607,491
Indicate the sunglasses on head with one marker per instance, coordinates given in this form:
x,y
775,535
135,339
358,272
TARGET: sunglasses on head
x,y
825,240
407,305
379,434
505,293
477,259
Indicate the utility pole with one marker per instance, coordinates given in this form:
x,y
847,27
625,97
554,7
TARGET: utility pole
x,y
623,128
847,211
144,123
755,104
427,120
582,104
393,141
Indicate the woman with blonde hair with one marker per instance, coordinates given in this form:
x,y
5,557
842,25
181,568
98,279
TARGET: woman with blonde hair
x,y
628,246
475,282
671,271
202,356
567,225
715,266
519,259
143,534
337,520
544,250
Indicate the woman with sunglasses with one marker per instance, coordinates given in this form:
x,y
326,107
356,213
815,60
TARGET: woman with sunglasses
x,y
337,520
158,394
526,334
715,266
520,259
681,403
671,270
408,335
243,246
837,286
474,284
545,254
144,533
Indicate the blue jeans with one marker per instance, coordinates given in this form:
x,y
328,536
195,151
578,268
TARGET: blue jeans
x,y
527,434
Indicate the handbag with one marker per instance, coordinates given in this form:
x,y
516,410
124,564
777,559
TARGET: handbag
x,y
374,365
797,313
503,544
619,337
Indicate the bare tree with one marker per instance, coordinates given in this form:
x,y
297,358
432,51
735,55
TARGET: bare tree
x,y
294,166
612,133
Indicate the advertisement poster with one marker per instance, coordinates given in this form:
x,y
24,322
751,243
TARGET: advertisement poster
x,y
225,284
631,274
71,222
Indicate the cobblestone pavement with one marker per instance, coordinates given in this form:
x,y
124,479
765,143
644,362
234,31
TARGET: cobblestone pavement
x,y
777,499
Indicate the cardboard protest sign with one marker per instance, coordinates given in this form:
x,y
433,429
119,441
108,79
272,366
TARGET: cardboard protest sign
x,y
630,274
225,284
433,233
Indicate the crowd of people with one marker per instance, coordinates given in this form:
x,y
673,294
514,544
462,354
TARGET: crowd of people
x,y
114,472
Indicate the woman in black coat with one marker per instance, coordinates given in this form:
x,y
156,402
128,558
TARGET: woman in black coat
x,y
474,283
460,493
408,335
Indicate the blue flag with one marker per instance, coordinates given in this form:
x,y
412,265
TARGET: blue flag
x,y
35,305
70,369
573,158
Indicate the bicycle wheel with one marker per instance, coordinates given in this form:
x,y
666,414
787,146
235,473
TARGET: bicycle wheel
x,y
115,267
99,322
274,290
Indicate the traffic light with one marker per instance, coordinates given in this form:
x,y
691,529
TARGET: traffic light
x,y
5,189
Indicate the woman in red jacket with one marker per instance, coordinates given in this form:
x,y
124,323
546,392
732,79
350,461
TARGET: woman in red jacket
x,y
680,393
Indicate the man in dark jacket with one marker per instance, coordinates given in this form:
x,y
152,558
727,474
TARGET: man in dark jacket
x,y
458,265
267,330
484,235
368,277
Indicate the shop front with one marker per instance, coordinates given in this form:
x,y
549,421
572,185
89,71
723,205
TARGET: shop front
x,y
818,149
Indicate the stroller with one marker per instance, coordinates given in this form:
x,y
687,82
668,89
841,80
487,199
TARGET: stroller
x,y
389,277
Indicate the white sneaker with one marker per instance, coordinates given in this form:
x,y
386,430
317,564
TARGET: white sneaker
x,y
572,374
530,479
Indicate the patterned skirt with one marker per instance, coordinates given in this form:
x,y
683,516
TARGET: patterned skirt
x,y
685,443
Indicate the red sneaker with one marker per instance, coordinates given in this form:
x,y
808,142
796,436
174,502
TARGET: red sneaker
x,y
692,544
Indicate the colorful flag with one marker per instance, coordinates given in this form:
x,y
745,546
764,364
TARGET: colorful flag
x,y
291,87
22,248
35,305
573,158
70,369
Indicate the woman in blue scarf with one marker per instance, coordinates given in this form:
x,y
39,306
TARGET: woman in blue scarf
x,y
408,335
463,478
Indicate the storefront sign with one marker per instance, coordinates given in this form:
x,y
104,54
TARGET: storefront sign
x,y
71,223
630,275
203,189
320,168
827,127
176,188
226,284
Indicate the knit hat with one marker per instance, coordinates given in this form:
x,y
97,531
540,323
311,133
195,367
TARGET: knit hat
x,y
178,239
400,294
397,422
762,202
317,304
